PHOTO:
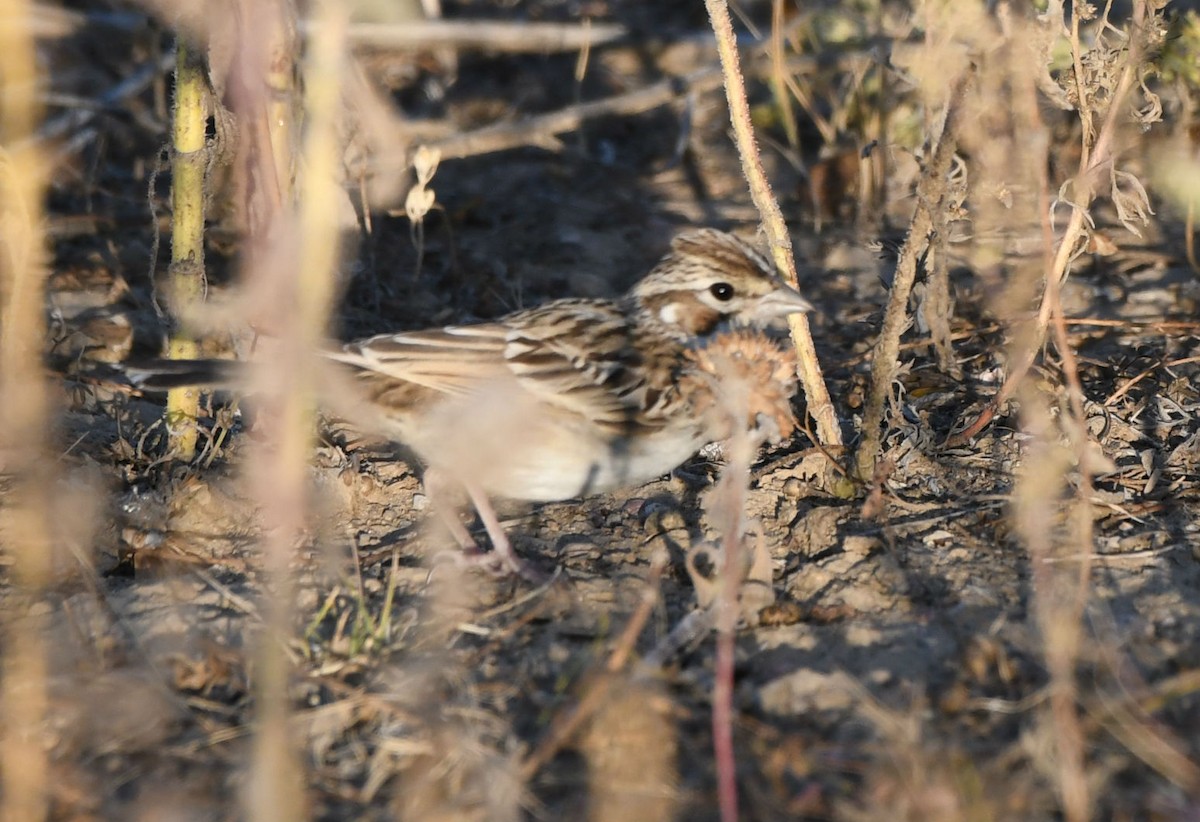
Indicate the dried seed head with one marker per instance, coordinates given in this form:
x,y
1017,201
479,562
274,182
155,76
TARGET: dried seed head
x,y
748,377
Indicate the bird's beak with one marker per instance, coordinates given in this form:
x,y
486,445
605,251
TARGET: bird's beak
x,y
781,302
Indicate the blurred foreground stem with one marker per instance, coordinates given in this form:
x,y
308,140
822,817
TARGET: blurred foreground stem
x,y
300,271
24,407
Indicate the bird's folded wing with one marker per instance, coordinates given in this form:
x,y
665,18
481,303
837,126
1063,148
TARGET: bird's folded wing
x,y
575,356
453,360
582,360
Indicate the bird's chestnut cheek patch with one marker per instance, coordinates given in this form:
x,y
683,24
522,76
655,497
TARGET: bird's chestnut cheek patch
x,y
693,316
706,322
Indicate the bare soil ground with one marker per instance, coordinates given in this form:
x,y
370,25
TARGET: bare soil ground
x,y
901,673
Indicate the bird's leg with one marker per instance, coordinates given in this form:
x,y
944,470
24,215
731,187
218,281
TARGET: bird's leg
x,y
501,559
501,547
439,488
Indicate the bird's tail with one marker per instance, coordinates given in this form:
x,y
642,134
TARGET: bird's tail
x,y
163,375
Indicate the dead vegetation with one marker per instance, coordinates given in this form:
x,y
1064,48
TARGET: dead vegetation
x,y
984,607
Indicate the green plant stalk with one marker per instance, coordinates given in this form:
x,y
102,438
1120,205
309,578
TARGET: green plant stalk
x,y
187,235
389,599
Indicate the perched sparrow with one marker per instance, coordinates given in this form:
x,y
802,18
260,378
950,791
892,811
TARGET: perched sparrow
x,y
575,397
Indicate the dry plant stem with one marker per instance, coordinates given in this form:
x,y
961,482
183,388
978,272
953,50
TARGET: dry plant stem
x,y
939,307
1061,656
732,490
931,191
1061,617
1036,508
1092,165
1189,236
1061,660
262,88
492,35
281,102
188,161
809,368
779,76
1085,112
312,226
23,408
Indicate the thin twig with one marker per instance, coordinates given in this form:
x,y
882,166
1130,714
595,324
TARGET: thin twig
x,y
1124,389
543,130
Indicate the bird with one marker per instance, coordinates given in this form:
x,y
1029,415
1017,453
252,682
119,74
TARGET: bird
x,y
575,397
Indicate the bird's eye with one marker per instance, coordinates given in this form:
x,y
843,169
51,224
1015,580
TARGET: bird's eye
x,y
722,291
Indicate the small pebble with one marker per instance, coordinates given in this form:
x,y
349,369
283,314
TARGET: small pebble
x,y
880,677
793,488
